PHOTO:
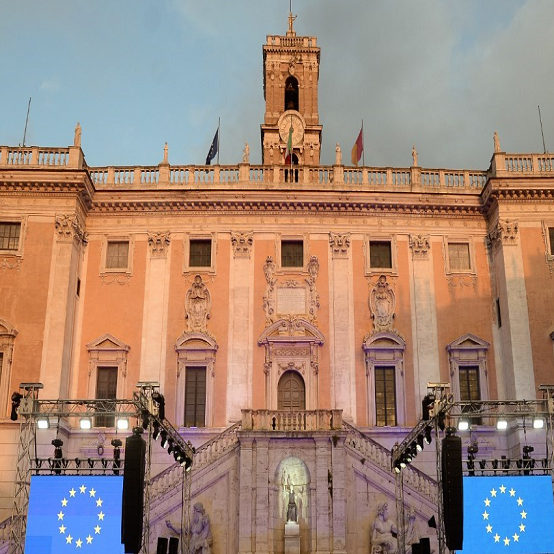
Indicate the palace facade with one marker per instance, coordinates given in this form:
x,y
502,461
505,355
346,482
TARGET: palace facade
x,y
293,314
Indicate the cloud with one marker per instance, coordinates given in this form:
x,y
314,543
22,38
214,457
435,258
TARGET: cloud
x,y
50,85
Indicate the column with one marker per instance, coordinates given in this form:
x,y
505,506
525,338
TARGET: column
x,y
246,495
323,480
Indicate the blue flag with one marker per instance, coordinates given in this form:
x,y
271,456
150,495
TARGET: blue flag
x,y
508,514
213,148
74,514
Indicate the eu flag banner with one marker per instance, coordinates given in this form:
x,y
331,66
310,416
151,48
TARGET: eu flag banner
x,y
508,514
74,513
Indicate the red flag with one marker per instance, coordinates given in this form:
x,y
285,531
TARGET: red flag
x,y
358,147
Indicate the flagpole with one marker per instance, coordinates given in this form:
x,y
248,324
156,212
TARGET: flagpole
x,y
290,154
218,138
363,147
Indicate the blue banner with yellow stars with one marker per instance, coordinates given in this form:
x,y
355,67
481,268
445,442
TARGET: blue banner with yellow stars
x,y
79,514
508,514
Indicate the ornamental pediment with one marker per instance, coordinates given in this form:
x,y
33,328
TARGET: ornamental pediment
x,y
107,342
468,341
292,327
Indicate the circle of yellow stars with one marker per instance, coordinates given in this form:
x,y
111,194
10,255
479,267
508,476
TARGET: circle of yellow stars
x,y
69,539
497,538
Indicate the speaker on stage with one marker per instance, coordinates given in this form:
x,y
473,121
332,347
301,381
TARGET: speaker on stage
x,y
173,545
452,491
133,487
162,545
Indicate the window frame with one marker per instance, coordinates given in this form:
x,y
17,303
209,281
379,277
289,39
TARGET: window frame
x,y
187,268
392,240
8,335
451,240
385,369
548,229
112,239
16,252
188,371
279,256
107,421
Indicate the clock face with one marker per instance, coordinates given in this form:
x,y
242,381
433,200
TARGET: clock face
x,y
288,120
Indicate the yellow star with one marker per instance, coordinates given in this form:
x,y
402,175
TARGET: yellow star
x,y
523,514
507,541
97,530
92,492
515,537
62,528
497,538
68,539
82,488
493,493
89,540
489,528
78,543
522,528
99,502
520,501
60,515
64,502
485,515
487,502
101,516
512,492
72,492
502,489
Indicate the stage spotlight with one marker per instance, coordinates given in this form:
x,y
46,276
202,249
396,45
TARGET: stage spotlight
x,y
502,424
538,423
16,401
159,400
43,423
441,421
58,455
145,419
426,405
403,462
471,467
163,442
188,464
428,432
117,444
122,423
482,464
463,425
170,446
408,456
420,442
495,464
156,431
506,463
85,423
397,467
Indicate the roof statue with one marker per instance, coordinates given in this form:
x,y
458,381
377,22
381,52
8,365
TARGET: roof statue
x,y
496,142
291,32
414,156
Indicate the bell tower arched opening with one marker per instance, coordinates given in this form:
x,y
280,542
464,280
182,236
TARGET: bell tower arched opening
x,y
291,94
291,394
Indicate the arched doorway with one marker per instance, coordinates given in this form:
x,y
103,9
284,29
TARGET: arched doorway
x,y
291,94
291,392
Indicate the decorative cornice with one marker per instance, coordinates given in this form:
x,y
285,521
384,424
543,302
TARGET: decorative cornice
x,y
158,244
68,228
506,232
420,245
242,244
340,244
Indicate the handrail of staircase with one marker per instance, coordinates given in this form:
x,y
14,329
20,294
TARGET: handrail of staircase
x,y
375,452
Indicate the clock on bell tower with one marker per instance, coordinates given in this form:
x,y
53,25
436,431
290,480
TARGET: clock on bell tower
x,y
291,75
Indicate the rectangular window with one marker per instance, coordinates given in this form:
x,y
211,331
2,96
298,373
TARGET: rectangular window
x,y
195,397
200,253
117,255
106,388
380,254
385,396
469,389
292,253
458,256
551,236
9,235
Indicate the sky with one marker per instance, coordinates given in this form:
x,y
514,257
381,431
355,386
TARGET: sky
x,y
442,75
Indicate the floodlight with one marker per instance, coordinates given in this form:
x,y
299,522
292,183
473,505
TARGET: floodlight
x,y
85,423
420,442
463,425
163,442
502,424
428,434
43,423
538,423
122,423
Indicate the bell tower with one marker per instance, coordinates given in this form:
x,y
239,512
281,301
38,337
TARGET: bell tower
x,y
291,75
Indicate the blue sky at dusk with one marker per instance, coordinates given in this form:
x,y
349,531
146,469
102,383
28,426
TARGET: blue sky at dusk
x,y
439,74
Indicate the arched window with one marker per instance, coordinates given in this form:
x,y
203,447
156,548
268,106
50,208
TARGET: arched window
x,y
291,94
291,392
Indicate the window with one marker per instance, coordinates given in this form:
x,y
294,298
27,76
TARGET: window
x,y
291,94
385,396
551,237
380,254
195,397
7,340
292,392
469,388
458,256
200,253
9,236
106,388
117,256
292,253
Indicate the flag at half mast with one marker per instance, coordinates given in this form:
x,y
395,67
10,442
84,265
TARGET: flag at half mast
x,y
213,148
358,147
288,151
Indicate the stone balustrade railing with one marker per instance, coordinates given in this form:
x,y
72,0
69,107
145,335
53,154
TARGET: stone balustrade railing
x,y
287,420
377,454
204,455
244,175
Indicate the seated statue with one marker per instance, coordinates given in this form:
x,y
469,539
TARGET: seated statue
x,y
383,531
292,510
200,534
